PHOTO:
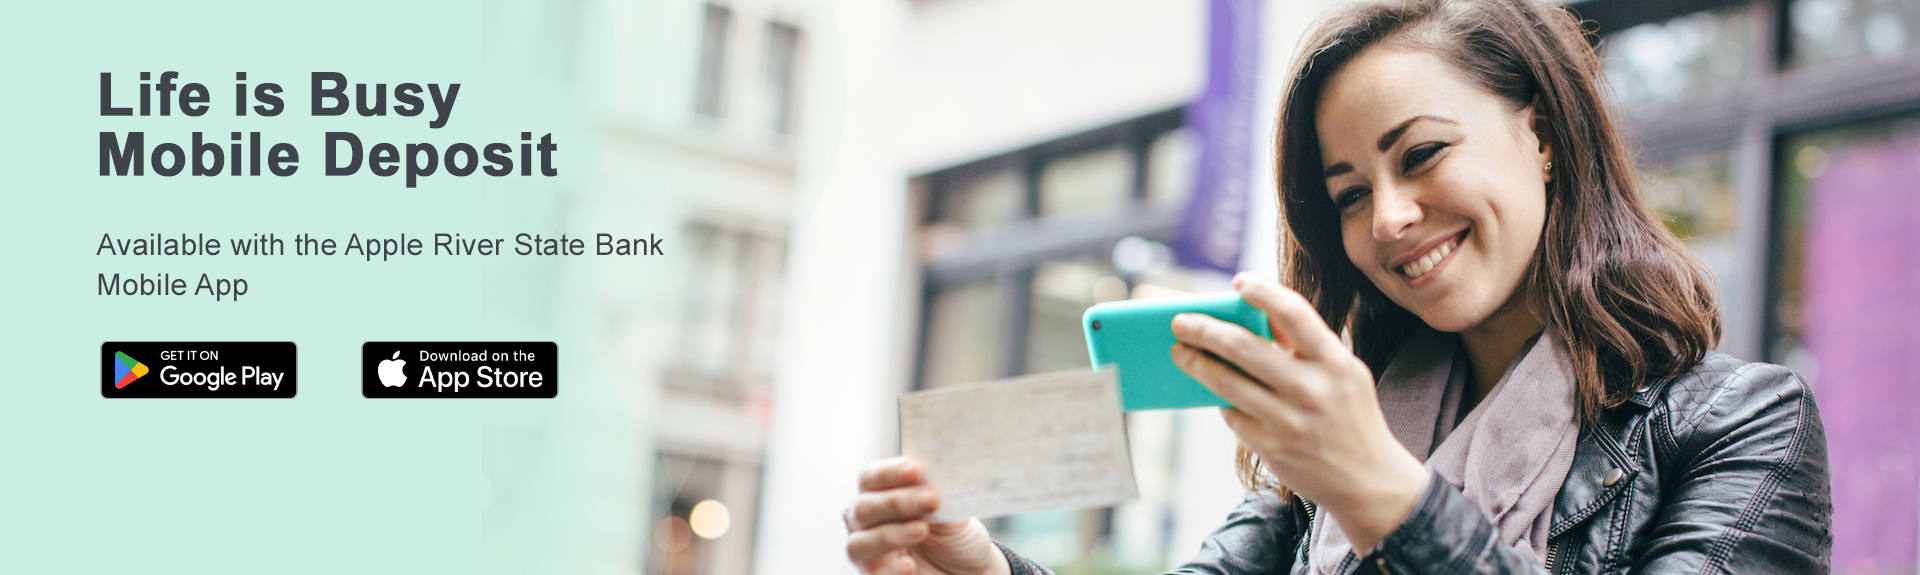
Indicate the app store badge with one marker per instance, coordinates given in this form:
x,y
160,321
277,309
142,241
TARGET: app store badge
x,y
456,369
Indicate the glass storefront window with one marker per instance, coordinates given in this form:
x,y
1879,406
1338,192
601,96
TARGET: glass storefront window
x,y
985,200
1089,181
1170,167
1804,159
1693,195
1664,62
1100,179
963,334
1062,292
1833,31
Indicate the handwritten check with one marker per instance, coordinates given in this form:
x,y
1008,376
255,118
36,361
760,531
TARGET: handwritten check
x,y
1047,441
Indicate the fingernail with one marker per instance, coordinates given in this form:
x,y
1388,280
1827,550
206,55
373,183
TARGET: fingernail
x,y
925,499
1180,324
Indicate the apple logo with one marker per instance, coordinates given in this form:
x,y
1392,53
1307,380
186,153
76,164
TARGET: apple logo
x,y
390,374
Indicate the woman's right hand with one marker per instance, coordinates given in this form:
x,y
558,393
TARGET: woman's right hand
x,y
888,531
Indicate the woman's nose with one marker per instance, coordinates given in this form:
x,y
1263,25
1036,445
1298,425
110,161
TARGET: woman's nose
x,y
1394,211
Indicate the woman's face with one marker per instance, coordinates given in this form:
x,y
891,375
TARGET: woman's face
x,y
1440,185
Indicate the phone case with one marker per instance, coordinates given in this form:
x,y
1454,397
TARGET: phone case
x,y
1136,338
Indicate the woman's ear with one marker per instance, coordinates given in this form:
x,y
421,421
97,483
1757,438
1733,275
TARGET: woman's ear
x,y
1542,130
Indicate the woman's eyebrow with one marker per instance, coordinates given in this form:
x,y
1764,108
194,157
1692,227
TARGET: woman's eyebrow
x,y
1387,140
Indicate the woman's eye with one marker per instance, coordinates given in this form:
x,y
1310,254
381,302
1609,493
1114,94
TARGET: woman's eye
x,y
1420,155
1349,197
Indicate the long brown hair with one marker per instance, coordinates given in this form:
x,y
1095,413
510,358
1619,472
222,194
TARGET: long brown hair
x,y
1631,302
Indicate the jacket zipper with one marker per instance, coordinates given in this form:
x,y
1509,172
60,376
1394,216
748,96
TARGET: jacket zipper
x,y
1553,552
1307,539
1380,562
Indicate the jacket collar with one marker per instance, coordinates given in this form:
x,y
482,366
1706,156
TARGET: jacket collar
x,y
1601,470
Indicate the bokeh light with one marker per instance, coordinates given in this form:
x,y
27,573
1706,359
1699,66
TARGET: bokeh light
x,y
709,519
671,534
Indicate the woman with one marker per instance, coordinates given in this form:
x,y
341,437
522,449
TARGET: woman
x,y
1459,202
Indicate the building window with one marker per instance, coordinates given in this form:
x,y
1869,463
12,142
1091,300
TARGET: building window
x,y
727,312
962,326
1694,195
977,200
1091,181
783,54
713,60
1835,31
1170,167
1663,62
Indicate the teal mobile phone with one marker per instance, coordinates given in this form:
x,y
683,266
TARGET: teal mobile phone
x,y
1136,338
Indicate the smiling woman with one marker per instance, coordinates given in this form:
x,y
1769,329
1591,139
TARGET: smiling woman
x,y
1531,386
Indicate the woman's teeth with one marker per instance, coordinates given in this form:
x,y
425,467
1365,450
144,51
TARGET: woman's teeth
x,y
1421,266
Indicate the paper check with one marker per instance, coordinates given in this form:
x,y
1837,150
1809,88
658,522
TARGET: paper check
x,y
1047,441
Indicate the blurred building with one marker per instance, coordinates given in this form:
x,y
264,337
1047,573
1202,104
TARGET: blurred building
x,y
704,119
689,121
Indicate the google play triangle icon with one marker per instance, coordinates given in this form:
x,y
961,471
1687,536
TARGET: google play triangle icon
x,y
126,369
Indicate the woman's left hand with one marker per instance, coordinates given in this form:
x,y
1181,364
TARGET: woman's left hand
x,y
1306,405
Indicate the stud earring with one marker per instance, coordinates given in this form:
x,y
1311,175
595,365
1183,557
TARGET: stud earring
x,y
1549,168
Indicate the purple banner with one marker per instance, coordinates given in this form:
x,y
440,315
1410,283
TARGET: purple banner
x,y
1214,224
1862,281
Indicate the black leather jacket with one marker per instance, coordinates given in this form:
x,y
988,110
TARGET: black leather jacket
x,y
1720,470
